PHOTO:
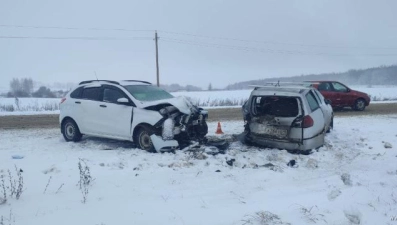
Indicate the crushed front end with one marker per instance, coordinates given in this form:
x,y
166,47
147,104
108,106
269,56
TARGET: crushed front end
x,y
182,127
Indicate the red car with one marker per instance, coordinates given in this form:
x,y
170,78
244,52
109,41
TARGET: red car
x,y
341,95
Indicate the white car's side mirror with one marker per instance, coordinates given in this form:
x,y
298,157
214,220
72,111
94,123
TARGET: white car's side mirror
x,y
122,100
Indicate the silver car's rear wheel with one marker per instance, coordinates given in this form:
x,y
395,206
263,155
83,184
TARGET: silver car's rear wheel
x,y
331,125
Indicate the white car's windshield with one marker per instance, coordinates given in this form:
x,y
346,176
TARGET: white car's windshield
x,y
147,92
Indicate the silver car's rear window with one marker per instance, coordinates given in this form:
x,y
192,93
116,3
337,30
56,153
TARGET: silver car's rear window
x,y
278,106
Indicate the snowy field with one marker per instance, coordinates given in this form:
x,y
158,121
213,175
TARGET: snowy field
x,y
206,99
238,97
351,180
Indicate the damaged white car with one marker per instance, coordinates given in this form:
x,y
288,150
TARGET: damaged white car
x,y
291,117
131,110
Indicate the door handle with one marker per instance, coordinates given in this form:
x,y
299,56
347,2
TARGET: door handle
x,y
77,102
103,106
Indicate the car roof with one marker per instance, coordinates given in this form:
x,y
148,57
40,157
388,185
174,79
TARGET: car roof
x,y
123,82
293,91
319,81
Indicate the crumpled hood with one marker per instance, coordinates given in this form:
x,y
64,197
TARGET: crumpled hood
x,y
180,102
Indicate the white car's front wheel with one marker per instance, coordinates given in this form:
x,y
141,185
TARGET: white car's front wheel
x,y
142,139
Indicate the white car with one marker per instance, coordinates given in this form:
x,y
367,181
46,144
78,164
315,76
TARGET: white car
x,y
131,110
287,116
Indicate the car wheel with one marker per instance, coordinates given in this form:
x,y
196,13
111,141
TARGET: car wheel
x,y
331,125
71,131
359,105
143,140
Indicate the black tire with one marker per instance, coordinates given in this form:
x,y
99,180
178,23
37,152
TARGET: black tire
x,y
71,131
142,139
331,125
359,105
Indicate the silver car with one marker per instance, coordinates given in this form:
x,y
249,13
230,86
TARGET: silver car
x,y
291,117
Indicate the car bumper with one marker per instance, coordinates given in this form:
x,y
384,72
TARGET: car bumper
x,y
308,144
163,145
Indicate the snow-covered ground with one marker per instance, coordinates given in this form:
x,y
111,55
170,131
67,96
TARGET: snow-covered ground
x,y
206,99
351,180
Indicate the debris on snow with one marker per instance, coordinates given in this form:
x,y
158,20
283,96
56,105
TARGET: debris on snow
x,y
230,162
268,165
52,169
180,164
388,145
353,216
292,163
346,179
17,157
334,194
312,164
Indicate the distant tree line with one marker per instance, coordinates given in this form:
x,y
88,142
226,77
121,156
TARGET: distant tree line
x,y
383,75
24,87
177,87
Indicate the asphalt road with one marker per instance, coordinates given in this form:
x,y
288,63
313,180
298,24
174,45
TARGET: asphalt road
x,y
222,114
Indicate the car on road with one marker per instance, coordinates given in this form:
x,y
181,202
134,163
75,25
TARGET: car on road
x,y
131,110
287,116
342,96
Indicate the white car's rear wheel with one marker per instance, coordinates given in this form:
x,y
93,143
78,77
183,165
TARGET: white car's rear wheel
x,y
71,131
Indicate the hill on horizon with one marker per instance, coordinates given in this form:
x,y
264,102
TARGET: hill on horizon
x,y
383,75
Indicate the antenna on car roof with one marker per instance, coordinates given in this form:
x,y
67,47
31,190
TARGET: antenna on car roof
x,y
96,76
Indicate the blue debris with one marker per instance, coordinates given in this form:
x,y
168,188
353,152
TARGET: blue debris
x,y
17,157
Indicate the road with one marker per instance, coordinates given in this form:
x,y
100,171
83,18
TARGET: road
x,y
223,114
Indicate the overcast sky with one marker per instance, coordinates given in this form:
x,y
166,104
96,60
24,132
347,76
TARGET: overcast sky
x,y
275,39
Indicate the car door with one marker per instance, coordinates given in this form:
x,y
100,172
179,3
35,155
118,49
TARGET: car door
x,y
326,108
73,108
114,118
342,93
317,115
325,89
90,103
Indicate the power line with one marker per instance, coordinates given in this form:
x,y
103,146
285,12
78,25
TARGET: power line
x,y
79,38
74,28
197,36
271,42
265,50
203,44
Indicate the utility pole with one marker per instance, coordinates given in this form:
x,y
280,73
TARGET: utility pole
x,y
157,58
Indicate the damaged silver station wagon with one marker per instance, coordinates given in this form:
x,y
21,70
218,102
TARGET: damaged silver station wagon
x,y
131,110
287,116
